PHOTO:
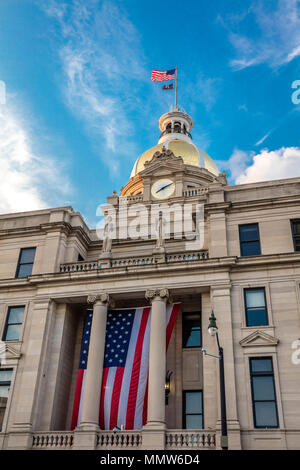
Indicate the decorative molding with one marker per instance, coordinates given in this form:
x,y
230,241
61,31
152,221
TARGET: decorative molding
x,y
162,294
8,353
259,338
103,298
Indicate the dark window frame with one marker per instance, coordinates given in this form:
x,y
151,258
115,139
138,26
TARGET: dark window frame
x,y
23,264
295,237
183,329
263,374
184,414
249,241
247,308
7,324
6,383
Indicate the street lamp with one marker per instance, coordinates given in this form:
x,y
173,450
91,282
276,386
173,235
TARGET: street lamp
x,y
213,331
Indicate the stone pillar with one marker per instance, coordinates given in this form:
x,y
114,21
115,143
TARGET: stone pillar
x,y
86,433
154,431
221,304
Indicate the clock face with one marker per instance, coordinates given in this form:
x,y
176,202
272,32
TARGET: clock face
x,y
163,188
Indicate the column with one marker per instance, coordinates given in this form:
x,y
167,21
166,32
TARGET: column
x,y
154,435
93,380
221,304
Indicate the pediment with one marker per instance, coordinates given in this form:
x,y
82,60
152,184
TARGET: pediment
x,y
8,352
165,160
259,338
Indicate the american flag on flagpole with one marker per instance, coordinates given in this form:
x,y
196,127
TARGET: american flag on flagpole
x,y
162,75
124,394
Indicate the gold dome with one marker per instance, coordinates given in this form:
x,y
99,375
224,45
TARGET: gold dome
x,y
190,154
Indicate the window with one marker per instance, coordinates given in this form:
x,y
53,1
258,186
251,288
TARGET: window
x,y
296,234
193,409
263,393
80,258
25,263
5,380
255,306
13,324
249,240
191,330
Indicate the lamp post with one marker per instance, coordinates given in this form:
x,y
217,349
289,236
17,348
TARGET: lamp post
x,y
213,331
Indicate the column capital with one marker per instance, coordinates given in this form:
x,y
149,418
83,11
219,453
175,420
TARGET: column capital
x,y
157,294
102,298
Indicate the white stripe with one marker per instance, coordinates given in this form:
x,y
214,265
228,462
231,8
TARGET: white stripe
x,y
168,313
108,395
128,368
81,398
143,378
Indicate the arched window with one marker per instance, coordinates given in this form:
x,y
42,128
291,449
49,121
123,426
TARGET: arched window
x,y
177,127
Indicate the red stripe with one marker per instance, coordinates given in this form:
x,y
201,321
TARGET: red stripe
x,y
104,380
77,399
145,409
171,323
136,368
115,399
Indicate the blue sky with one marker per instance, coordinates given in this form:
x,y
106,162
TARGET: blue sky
x,y
81,107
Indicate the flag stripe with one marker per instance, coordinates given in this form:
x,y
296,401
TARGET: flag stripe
x,y
116,397
171,322
108,395
104,380
77,399
138,420
162,75
133,389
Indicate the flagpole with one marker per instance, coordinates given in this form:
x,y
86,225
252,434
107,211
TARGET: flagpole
x,y
176,90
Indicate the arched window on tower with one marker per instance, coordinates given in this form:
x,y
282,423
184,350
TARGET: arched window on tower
x,y
177,127
169,128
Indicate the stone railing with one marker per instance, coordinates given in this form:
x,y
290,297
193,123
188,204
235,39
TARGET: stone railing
x,y
134,261
78,267
53,440
195,192
181,439
120,440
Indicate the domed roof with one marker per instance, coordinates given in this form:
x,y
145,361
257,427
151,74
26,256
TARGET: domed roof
x,y
190,154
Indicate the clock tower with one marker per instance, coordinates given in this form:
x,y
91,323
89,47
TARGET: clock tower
x,y
174,166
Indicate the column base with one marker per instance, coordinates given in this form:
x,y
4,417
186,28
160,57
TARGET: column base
x,y
20,438
85,436
154,436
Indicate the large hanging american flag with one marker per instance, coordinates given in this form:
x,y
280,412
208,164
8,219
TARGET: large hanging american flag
x,y
162,75
124,390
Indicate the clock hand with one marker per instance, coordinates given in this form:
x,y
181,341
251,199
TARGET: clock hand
x,y
163,187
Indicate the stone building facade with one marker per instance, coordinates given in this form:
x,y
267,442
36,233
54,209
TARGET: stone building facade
x,y
246,269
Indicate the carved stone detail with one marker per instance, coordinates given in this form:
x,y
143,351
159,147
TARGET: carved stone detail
x,y
164,155
163,294
103,297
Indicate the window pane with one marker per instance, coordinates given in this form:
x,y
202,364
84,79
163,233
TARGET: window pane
x,y
193,337
263,388
297,244
265,414
296,227
25,270
255,298
193,402
261,365
13,333
248,232
194,422
250,249
4,390
191,328
27,255
257,317
5,375
15,314
2,412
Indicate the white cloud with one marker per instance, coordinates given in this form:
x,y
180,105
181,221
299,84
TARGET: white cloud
x,y
102,63
28,182
248,167
275,34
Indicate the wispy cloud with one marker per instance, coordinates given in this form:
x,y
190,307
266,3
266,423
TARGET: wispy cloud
x,y
102,62
248,167
275,34
28,181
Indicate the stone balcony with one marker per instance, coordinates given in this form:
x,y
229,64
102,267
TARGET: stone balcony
x,y
188,256
175,439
